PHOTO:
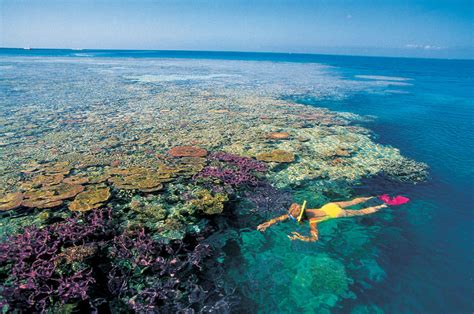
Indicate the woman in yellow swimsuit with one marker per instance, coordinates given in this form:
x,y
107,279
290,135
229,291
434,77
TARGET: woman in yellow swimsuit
x,y
317,215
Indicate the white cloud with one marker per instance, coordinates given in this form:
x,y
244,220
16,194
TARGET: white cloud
x,y
424,47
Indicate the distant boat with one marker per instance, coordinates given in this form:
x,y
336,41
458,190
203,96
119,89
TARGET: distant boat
x,y
27,48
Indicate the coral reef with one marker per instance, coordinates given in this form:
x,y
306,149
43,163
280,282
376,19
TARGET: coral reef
x,y
244,163
277,155
34,277
278,135
166,273
232,170
142,179
269,200
93,197
187,151
10,201
405,170
228,176
48,268
320,281
167,154
50,196
209,204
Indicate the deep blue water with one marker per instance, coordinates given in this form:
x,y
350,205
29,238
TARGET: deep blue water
x,y
429,264
430,269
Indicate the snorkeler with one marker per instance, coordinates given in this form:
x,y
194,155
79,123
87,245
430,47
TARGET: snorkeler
x,y
329,211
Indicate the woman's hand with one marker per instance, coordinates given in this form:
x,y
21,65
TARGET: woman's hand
x,y
263,227
296,236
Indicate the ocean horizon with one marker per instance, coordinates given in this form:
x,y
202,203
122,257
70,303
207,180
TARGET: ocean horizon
x,y
184,53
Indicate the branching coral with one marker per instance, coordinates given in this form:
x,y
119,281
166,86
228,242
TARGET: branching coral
x,y
234,170
69,262
245,163
269,200
149,275
406,170
36,278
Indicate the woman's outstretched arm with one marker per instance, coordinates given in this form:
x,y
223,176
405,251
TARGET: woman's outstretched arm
x,y
262,227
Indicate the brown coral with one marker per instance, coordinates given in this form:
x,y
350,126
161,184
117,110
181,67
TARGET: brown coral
x,y
189,166
62,167
341,152
47,179
50,196
277,155
10,201
76,253
209,204
187,151
76,179
93,197
48,168
143,179
278,135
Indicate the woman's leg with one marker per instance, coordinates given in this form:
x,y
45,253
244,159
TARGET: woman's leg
x,y
353,202
362,212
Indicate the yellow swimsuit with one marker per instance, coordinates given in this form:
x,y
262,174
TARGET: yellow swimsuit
x,y
332,210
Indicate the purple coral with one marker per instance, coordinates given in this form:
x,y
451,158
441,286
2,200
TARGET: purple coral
x,y
36,277
166,270
136,247
76,285
243,163
269,200
44,268
228,176
235,171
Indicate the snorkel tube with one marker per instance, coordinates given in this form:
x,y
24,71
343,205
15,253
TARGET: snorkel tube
x,y
303,207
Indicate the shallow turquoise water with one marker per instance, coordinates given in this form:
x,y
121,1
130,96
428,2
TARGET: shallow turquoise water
x,y
413,259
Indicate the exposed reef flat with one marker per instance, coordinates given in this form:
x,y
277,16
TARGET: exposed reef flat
x,y
145,132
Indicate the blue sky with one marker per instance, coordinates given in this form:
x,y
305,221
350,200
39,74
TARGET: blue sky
x,y
396,28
